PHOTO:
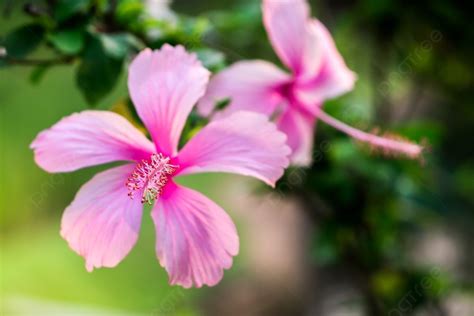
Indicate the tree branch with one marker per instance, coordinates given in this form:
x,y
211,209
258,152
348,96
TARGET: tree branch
x,y
38,62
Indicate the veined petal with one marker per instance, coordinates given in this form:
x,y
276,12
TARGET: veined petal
x,y
89,138
195,238
286,25
299,129
102,223
244,143
164,86
250,85
332,78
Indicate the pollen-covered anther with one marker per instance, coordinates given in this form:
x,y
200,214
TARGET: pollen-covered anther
x,y
150,176
392,145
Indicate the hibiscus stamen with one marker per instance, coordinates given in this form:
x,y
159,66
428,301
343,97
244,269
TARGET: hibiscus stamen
x,y
150,176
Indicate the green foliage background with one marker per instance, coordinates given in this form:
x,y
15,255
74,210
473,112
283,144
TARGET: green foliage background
x,y
414,62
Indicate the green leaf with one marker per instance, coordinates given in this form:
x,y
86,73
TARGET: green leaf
x,y
129,11
102,5
68,41
98,73
222,104
64,9
193,125
211,59
388,283
38,73
23,40
325,249
118,45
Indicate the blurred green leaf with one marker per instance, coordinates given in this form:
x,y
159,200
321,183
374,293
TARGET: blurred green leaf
x,y
211,59
245,15
463,178
222,104
68,41
125,107
343,150
23,40
378,7
193,125
98,72
325,246
38,73
128,11
195,27
119,45
389,284
64,9
422,130
102,5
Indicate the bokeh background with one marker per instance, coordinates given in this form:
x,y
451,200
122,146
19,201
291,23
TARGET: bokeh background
x,y
355,234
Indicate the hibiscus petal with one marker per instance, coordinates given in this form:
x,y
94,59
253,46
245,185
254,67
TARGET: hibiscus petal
x,y
89,138
299,128
102,223
332,78
196,239
286,25
164,85
244,143
250,85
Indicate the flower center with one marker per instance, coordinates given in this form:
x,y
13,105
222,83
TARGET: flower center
x,y
286,89
150,176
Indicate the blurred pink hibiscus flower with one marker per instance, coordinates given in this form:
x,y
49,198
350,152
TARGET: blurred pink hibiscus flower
x,y
318,73
195,238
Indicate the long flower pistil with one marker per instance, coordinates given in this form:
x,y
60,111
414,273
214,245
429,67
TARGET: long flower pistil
x,y
388,145
150,176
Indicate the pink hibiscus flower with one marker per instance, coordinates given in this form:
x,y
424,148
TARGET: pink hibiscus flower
x,y
195,238
318,73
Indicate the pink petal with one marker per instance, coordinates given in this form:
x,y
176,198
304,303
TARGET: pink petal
x,y
195,238
286,25
89,138
244,142
102,223
299,128
332,78
164,85
250,85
